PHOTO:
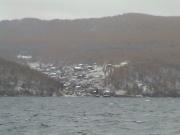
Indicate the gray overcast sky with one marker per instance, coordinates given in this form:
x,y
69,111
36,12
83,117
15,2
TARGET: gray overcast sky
x,y
49,9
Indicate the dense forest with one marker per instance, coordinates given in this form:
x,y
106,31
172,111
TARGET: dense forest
x,y
18,80
128,36
148,78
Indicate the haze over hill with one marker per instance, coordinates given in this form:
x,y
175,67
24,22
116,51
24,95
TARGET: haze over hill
x,y
129,36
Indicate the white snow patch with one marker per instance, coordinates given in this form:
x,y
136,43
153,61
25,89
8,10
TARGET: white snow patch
x,y
34,65
122,64
24,56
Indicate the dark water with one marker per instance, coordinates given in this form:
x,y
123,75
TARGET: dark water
x,y
89,116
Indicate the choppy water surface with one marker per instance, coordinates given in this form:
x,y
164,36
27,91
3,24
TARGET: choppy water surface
x,y
89,116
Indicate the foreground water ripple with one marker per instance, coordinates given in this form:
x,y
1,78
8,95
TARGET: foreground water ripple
x,y
89,116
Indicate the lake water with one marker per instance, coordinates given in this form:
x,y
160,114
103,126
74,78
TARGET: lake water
x,y
89,116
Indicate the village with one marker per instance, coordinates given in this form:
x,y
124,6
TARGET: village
x,y
125,79
77,79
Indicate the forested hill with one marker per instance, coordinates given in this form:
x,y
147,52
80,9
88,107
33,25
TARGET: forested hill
x,y
18,80
128,36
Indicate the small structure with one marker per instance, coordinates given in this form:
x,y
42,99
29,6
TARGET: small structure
x,y
107,93
120,93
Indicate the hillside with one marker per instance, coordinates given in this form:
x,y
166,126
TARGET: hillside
x,y
128,36
18,80
148,78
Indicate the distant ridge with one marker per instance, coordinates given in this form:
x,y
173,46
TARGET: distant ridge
x,y
131,36
73,19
